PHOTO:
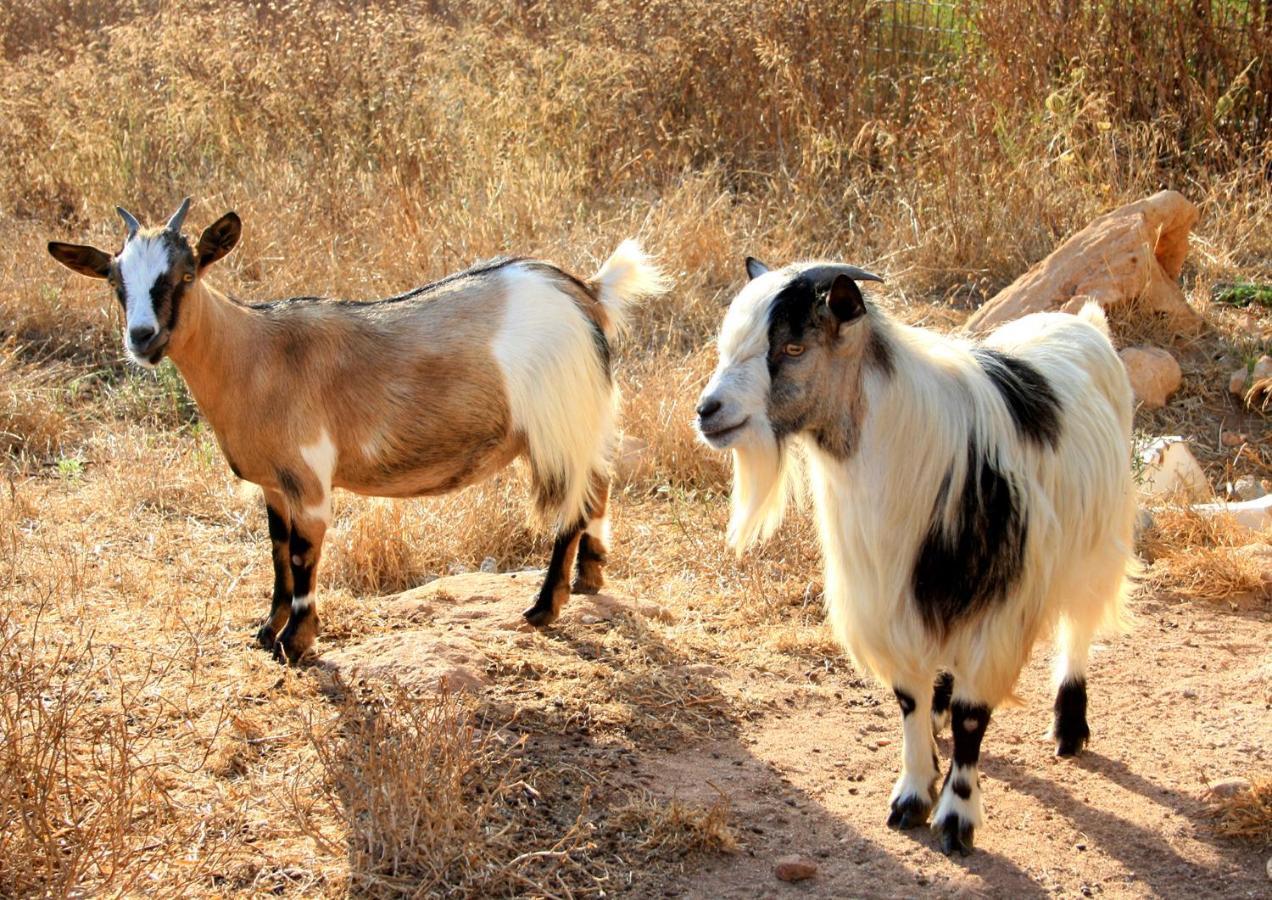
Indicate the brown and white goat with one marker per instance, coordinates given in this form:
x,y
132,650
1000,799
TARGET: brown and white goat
x,y
423,393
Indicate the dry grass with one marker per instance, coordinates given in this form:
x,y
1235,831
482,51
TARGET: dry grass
x,y
1245,815
671,829
1206,557
431,804
370,147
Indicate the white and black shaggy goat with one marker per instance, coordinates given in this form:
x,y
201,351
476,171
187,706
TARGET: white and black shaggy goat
x,y
422,393
970,498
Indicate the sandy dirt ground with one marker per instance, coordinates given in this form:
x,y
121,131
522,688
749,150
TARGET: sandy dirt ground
x,y
1181,701
804,755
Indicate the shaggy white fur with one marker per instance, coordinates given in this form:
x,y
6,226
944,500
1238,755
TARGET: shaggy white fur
x,y
930,424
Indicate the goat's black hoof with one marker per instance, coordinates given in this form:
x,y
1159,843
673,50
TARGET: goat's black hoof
x,y
956,835
540,616
290,651
908,812
266,638
1071,744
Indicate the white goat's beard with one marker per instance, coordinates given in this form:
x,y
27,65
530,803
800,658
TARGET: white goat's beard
x,y
761,478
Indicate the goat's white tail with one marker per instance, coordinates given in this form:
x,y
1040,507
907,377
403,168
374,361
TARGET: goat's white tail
x,y
1093,314
627,276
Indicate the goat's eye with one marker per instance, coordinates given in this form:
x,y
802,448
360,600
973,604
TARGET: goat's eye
x,y
793,349
188,277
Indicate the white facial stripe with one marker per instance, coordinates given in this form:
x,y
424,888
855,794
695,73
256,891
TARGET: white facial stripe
x,y
744,332
142,262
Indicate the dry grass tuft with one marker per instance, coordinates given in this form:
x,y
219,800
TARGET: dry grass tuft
x,y
78,773
673,828
433,803
1207,557
1245,815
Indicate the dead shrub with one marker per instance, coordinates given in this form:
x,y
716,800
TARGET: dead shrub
x,y
435,804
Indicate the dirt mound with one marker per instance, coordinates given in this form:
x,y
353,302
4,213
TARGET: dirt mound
x,y
459,631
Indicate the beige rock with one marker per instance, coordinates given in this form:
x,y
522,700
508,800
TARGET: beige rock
x,y
1233,438
1154,374
1131,253
1253,514
456,630
1262,368
1169,468
1237,382
795,868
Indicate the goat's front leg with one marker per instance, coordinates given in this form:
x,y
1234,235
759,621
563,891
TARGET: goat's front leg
x,y
959,813
593,550
556,584
305,547
915,790
280,538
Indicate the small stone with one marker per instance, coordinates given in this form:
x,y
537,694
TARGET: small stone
x,y
1229,787
489,565
794,868
1233,438
458,568
1269,868
1079,846
1154,374
1143,522
1189,694
1262,368
1237,382
1247,487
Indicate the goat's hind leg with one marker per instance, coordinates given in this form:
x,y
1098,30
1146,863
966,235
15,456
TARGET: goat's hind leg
x,y
280,606
915,790
593,550
1069,726
556,584
942,692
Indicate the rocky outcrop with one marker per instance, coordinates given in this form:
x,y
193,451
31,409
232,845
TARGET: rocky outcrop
x,y
1132,253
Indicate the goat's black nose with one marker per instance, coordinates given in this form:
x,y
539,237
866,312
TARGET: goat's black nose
x,y
708,408
141,335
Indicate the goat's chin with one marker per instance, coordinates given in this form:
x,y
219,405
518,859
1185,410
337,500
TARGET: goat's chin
x,y
760,485
148,360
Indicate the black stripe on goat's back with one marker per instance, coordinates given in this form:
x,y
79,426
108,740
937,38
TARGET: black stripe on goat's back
x,y
474,271
972,564
1030,399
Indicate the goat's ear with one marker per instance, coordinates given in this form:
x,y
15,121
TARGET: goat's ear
x,y
218,239
755,268
844,299
86,260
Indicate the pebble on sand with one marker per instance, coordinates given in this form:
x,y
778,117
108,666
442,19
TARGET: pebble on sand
x,y
794,868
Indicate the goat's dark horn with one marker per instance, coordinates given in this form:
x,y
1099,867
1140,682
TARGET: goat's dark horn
x,y
174,224
861,274
129,220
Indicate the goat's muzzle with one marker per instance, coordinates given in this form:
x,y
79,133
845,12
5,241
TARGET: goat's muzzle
x,y
717,423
